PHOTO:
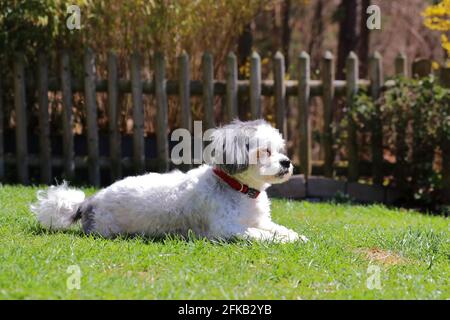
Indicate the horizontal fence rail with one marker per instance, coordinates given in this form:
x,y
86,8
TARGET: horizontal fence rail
x,y
303,88
196,87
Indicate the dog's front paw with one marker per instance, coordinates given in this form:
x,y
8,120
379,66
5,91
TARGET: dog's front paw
x,y
290,236
258,234
303,238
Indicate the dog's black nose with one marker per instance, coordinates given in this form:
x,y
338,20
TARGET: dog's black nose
x,y
285,163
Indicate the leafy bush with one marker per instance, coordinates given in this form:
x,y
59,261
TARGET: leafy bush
x,y
415,115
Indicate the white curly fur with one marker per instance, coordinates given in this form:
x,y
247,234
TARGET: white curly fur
x,y
175,203
57,205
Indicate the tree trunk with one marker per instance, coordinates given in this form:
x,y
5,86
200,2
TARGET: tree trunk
x,y
316,40
347,15
286,36
245,43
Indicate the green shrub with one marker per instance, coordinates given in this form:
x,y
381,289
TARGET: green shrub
x,y
415,115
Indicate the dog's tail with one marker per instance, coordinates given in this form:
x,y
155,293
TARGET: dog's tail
x,y
57,206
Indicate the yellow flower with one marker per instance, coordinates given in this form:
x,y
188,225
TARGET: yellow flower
x,y
437,17
435,65
445,42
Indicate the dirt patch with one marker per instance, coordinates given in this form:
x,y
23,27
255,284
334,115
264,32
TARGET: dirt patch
x,y
385,257
146,276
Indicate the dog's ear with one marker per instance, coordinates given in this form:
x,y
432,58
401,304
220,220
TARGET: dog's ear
x,y
230,150
235,155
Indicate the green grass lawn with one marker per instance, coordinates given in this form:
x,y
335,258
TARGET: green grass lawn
x,y
411,250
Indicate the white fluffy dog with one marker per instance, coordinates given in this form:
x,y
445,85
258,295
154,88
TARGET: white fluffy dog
x,y
222,200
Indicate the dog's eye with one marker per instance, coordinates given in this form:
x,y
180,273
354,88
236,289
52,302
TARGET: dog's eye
x,y
264,153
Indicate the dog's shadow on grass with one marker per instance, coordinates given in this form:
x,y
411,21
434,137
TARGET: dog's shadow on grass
x,y
37,230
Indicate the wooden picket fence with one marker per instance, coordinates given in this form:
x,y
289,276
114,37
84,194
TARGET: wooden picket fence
x,y
304,88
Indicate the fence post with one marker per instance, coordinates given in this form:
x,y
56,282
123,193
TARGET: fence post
x,y
208,90
328,101
255,86
161,113
138,114
401,69
352,142
91,117
21,119
185,91
232,87
376,83
445,144
115,149
303,114
280,93
401,65
44,128
66,91
422,68
2,149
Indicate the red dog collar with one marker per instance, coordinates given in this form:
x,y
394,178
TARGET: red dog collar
x,y
236,185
